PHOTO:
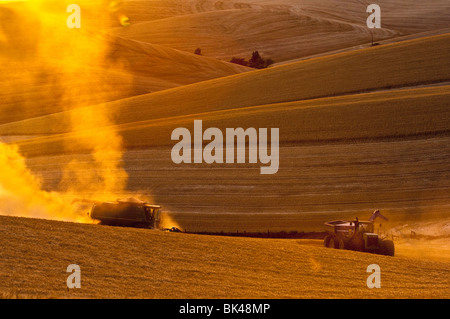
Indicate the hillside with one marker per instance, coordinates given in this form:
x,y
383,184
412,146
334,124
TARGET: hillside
x,y
283,30
166,65
129,68
120,262
347,146
87,115
394,66
49,68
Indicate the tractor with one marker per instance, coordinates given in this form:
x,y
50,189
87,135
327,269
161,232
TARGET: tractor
x,y
359,236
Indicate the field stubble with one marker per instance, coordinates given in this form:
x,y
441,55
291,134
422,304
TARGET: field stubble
x,y
120,262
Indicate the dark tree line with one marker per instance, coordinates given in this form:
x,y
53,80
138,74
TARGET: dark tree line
x,y
256,61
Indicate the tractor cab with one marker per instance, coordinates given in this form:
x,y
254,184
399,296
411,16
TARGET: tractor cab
x,y
364,227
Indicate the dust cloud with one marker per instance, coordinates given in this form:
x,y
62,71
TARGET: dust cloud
x,y
424,239
21,193
168,222
48,67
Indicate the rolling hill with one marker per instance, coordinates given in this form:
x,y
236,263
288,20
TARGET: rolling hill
x,y
49,68
352,128
400,65
283,30
118,262
88,114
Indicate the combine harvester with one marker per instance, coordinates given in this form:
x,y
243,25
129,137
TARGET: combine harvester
x,y
359,236
130,212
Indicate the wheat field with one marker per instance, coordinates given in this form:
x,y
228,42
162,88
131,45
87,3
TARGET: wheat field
x,y
120,262
89,115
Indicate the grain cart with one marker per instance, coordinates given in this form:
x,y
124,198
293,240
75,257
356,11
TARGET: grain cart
x,y
358,235
129,212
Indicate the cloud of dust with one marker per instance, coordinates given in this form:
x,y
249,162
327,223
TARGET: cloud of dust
x,y
168,222
425,239
21,194
70,69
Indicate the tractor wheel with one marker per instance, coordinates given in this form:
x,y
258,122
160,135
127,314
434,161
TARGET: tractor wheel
x,y
326,240
388,248
332,243
340,244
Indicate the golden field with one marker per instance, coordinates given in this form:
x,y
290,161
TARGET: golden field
x,y
120,262
89,114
